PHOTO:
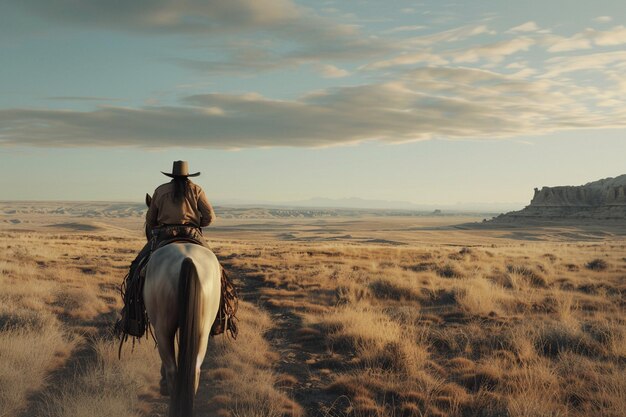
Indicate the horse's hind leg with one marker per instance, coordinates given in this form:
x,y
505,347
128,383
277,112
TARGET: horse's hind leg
x,y
163,383
168,363
204,341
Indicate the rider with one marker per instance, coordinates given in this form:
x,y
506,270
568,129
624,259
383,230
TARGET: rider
x,y
179,202
176,203
178,210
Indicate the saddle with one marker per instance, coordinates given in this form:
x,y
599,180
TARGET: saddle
x,y
176,234
134,321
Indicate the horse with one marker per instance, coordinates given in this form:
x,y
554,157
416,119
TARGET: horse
x,y
182,294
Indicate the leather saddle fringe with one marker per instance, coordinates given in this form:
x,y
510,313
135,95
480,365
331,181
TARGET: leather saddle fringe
x,y
134,321
226,320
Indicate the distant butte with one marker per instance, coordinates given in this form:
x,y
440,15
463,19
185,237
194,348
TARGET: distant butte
x,y
599,200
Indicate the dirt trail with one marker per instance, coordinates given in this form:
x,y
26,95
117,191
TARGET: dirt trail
x,y
303,351
306,359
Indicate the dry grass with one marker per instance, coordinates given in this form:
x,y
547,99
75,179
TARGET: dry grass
x,y
481,297
54,291
30,346
107,386
509,329
430,331
244,383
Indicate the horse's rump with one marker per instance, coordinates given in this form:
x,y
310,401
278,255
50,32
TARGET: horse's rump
x,y
182,295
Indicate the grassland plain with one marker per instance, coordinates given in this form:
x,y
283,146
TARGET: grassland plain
x,y
486,326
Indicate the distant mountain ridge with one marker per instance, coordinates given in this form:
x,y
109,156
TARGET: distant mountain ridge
x,y
372,204
16,212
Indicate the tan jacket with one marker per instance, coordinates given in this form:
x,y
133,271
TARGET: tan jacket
x,y
194,209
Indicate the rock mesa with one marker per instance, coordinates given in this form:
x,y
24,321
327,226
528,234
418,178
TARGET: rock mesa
x,y
599,200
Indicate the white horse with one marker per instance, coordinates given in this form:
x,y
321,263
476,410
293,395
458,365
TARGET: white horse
x,y
182,293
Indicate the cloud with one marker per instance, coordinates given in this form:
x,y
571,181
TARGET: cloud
x,y
603,19
602,61
357,47
170,16
618,77
423,57
241,59
405,29
587,38
426,43
421,104
451,35
517,65
286,34
526,27
614,36
305,36
563,44
524,73
331,71
494,52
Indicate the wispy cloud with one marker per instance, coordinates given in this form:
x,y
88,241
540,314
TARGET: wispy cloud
x,y
525,27
423,57
586,39
331,71
602,61
411,28
612,37
252,58
494,52
603,19
451,35
350,47
421,104
563,44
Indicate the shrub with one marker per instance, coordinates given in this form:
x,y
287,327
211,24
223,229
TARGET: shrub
x,y
387,290
597,265
534,278
449,271
555,338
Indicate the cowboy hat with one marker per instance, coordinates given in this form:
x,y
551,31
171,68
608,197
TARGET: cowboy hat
x,y
180,169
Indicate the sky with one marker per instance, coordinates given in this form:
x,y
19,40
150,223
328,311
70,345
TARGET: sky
x,y
428,102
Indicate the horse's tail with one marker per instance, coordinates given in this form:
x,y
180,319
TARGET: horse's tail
x,y
189,325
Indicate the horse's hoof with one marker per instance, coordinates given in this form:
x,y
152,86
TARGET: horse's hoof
x,y
164,391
